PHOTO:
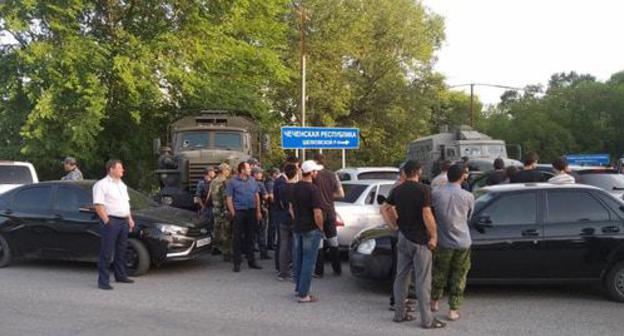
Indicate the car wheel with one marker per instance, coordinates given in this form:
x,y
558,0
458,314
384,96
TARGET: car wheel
x,y
137,258
614,282
5,252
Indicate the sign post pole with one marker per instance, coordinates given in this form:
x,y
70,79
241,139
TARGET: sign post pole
x,y
344,158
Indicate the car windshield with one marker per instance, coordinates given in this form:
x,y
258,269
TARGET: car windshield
x,y
606,181
139,201
194,140
15,175
352,192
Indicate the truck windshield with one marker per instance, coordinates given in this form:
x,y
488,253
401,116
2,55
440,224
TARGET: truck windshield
x,y
228,140
471,151
194,140
495,151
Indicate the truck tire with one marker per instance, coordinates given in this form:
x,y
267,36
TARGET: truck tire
x,y
5,252
137,258
614,282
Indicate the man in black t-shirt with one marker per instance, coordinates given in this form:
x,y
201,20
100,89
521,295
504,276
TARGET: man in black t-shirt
x,y
330,187
284,219
408,209
528,174
306,207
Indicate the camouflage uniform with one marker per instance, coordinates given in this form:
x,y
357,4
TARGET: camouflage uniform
x,y
450,268
222,223
74,175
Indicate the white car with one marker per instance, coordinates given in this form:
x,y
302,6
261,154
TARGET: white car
x,y
14,174
359,209
368,173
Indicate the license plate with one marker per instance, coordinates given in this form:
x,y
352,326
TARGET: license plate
x,y
202,242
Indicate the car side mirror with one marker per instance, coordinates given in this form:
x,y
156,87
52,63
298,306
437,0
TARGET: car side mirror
x,y
381,199
481,222
87,209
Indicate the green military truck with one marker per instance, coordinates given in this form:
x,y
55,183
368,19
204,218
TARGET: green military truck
x,y
206,139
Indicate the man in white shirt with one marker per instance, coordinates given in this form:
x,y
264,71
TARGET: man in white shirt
x,y
112,205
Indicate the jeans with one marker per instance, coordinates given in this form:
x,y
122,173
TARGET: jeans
x,y
114,237
305,248
244,232
417,258
282,218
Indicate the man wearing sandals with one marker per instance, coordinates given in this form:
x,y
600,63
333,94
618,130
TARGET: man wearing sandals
x,y
306,206
453,207
408,208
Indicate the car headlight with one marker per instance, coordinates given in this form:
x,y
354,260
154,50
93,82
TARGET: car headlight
x,y
166,200
366,247
169,229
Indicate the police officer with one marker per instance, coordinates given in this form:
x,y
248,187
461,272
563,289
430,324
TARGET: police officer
x,y
261,233
71,168
112,205
223,224
243,202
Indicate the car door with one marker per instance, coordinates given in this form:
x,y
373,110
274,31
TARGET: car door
x,y
368,210
32,221
77,224
576,228
506,234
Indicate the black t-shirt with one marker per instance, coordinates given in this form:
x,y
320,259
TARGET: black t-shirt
x,y
327,181
305,198
527,176
409,199
280,203
496,177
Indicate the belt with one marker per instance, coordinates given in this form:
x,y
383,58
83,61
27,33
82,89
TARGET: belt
x,y
117,217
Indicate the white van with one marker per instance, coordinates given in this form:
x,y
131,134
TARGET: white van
x,y
14,174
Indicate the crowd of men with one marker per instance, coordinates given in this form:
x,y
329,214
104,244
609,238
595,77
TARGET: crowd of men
x,y
291,211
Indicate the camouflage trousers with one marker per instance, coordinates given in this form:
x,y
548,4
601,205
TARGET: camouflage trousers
x,y
222,232
450,269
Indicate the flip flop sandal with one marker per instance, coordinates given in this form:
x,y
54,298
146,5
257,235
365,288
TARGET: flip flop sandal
x,y
436,324
311,300
406,318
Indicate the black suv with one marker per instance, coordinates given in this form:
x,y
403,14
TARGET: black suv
x,y
56,220
527,233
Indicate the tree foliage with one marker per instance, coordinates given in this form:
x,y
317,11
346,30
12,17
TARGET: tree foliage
x,y
575,114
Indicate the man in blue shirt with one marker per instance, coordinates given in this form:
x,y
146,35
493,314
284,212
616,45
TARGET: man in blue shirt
x,y
243,202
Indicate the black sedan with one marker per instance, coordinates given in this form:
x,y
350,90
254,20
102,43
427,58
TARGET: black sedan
x,y
56,220
527,233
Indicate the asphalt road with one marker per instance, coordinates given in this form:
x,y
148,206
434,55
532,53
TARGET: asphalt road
x,y
204,297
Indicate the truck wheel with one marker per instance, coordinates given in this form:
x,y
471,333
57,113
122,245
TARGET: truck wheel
x,y
5,252
137,258
614,282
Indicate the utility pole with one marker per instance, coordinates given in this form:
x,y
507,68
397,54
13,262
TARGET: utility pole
x,y
302,47
472,85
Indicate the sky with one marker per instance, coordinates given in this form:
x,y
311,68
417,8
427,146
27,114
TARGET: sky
x,y
517,43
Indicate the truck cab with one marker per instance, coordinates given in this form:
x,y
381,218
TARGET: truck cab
x,y
208,139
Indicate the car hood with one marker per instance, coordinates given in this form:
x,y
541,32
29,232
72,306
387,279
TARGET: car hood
x,y
6,187
375,232
167,215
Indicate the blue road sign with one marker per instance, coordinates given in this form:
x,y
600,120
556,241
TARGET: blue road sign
x,y
589,159
320,138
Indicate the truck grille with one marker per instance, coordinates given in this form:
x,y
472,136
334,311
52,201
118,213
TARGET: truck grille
x,y
196,172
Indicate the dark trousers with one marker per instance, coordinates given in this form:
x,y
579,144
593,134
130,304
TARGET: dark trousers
x,y
114,238
273,230
331,239
244,234
261,233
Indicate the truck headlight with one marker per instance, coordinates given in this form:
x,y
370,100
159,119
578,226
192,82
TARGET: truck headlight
x,y
169,229
366,247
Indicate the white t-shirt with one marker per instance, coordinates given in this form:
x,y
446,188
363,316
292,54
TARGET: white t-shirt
x,y
113,195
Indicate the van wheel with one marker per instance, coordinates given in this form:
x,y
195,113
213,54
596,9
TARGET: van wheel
x,y
5,252
614,282
137,258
